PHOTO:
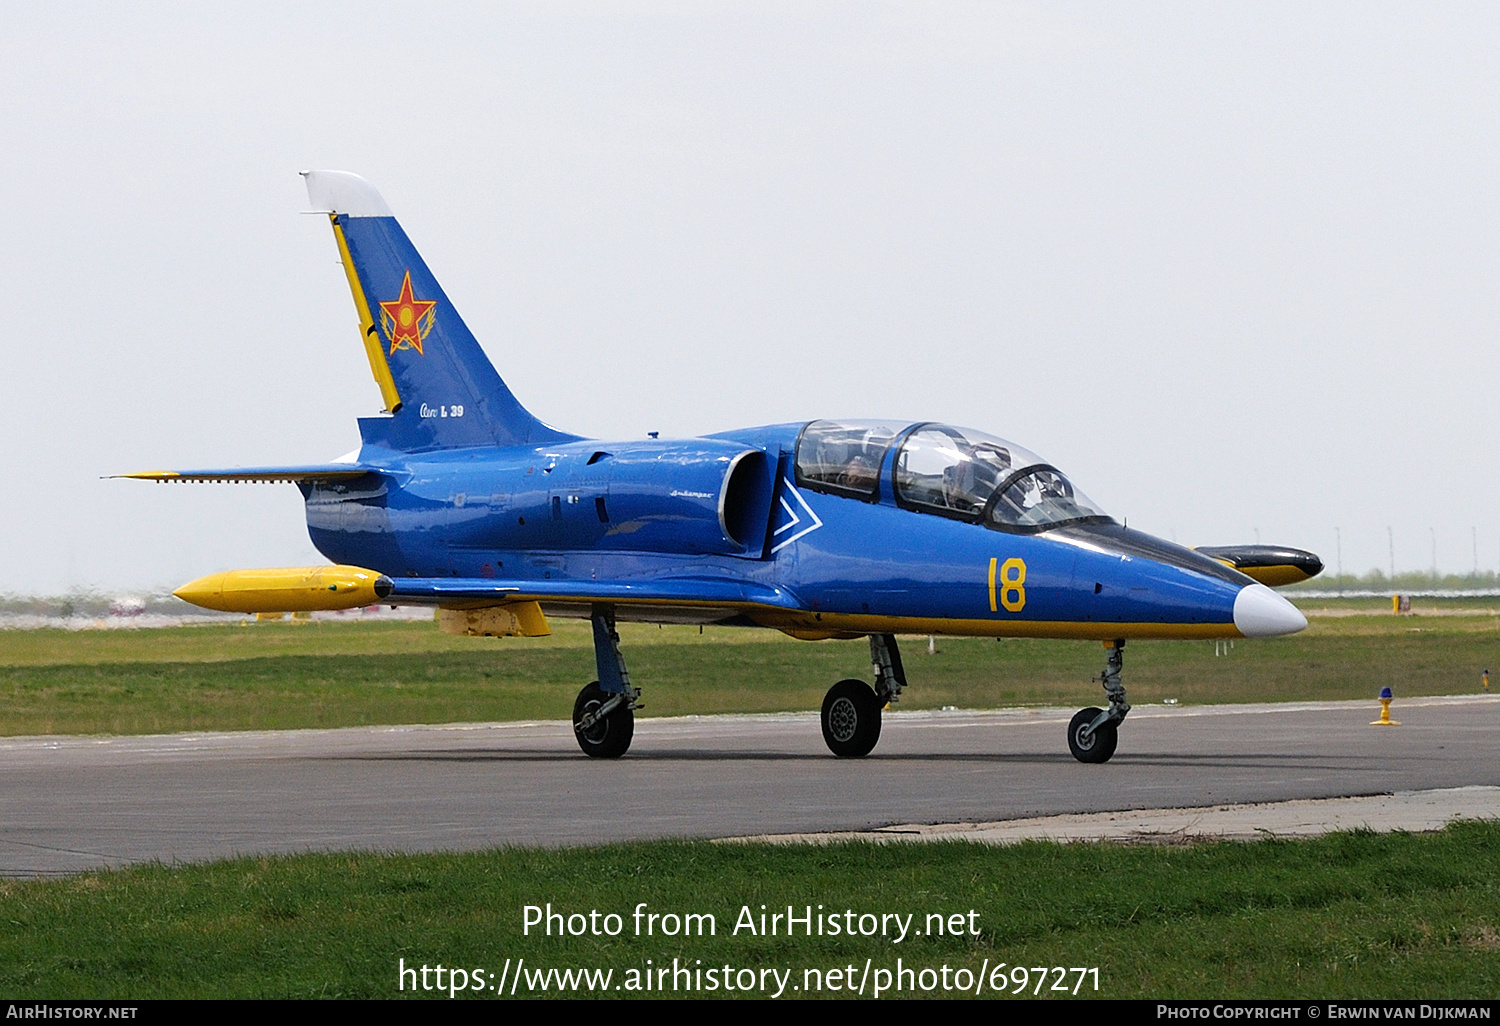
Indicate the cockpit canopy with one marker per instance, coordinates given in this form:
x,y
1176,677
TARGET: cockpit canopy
x,y
953,472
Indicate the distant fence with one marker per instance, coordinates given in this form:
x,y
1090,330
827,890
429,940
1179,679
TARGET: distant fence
x,y
1325,593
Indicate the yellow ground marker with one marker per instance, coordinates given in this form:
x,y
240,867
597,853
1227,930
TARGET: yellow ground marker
x,y
1385,711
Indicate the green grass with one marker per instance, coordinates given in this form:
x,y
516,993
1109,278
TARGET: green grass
x,y
1350,915
1353,915
273,676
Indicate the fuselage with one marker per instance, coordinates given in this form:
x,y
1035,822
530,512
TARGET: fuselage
x,y
747,506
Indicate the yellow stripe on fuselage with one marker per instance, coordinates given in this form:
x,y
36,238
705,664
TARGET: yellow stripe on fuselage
x,y
852,623
374,348
814,626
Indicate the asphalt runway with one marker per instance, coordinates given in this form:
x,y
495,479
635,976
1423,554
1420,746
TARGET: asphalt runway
x,y
74,803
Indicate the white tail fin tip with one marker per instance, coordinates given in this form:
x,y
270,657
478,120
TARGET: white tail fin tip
x,y
341,192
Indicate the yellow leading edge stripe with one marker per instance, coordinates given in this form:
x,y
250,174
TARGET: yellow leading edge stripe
x,y
374,350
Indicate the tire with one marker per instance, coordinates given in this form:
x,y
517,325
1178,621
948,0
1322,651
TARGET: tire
x,y
851,719
610,737
1099,745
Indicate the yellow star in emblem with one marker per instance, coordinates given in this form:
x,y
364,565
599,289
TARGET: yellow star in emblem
x,y
407,320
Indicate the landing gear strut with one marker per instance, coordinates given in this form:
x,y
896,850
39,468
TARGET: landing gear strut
x,y
603,715
851,709
1093,733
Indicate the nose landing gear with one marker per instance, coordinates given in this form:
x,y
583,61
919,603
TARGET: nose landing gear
x,y
1093,733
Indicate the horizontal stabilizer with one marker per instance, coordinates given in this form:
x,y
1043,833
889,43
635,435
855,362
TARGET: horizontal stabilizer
x,y
257,475
1272,565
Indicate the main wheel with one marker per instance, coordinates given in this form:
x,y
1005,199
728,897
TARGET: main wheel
x,y
608,738
851,719
1099,745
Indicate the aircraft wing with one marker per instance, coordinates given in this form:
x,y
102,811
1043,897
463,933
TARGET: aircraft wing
x,y
685,599
697,598
262,475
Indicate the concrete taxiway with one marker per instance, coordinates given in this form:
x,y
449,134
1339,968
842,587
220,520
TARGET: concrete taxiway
x,y
1412,811
74,803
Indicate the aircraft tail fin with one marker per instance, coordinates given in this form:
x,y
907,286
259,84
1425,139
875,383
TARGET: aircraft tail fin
x,y
437,384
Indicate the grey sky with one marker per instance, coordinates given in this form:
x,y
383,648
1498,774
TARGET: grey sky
x,y
1233,267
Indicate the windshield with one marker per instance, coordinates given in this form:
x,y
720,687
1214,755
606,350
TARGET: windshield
x,y
969,475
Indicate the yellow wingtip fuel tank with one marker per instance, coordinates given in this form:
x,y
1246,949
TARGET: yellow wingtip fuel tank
x,y
1271,565
284,589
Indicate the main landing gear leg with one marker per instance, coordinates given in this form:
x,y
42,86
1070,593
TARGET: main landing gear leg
x,y
890,678
851,709
603,716
1093,734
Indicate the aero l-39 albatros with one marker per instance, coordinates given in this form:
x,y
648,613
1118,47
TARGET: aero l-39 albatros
x,y
459,498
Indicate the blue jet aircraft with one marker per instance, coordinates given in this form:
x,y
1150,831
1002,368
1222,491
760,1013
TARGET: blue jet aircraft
x,y
459,498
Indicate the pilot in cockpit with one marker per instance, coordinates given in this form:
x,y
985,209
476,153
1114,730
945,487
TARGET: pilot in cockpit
x,y
859,474
995,461
968,483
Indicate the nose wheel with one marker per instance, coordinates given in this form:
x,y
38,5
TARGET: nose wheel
x,y
1088,743
1093,732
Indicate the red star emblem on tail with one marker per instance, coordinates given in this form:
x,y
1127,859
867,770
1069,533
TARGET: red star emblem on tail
x,y
407,320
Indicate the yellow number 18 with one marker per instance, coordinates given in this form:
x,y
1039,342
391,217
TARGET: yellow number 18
x,y
1010,588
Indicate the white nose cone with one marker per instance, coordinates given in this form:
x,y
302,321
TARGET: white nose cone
x,y
1261,613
